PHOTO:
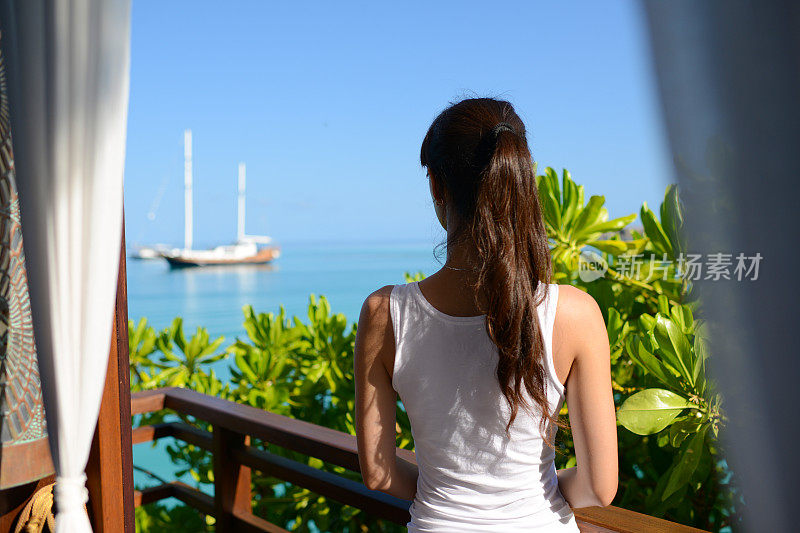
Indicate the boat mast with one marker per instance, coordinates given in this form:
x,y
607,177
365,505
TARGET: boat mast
x,y
240,226
187,182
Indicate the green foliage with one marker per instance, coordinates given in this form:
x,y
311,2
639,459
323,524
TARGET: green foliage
x,y
299,369
178,519
670,349
576,227
666,235
416,276
264,369
572,225
651,410
142,344
180,362
670,461
671,464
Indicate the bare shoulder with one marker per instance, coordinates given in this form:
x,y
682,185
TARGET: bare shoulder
x,y
579,322
575,305
375,309
375,335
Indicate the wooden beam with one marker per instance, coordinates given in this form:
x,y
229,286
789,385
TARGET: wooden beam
x,y
243,521
179,430
109,471
248,522
327,484
151,433
586,527
231,479
153,494
147,401
175,489
194,498
324,443
625,521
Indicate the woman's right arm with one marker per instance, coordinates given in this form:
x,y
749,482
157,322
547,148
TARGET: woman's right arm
x,y
580,336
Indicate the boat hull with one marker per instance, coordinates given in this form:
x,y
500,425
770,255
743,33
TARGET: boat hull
x,y
264,256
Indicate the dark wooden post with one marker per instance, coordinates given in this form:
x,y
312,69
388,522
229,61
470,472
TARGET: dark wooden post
x,y
231,480
109,471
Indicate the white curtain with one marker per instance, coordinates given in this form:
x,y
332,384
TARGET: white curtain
x,y
67,74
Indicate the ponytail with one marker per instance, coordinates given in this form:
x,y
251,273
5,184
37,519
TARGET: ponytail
x,y
477,152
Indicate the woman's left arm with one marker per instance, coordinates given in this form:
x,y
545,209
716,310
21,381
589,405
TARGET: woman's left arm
x,y
376,402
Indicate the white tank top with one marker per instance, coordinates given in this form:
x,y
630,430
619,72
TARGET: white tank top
x,y
472,477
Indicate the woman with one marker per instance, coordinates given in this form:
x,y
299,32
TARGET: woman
x,y
483,352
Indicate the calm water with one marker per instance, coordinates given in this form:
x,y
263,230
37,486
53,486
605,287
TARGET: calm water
x,y
213,297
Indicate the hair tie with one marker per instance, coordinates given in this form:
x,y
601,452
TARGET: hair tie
x,y
502,126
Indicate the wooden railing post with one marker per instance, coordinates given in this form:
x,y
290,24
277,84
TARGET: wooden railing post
x,y
231,480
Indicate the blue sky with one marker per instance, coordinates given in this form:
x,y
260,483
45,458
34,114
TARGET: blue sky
x,y
327,104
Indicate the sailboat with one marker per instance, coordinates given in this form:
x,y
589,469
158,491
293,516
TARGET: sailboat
x,y
246,250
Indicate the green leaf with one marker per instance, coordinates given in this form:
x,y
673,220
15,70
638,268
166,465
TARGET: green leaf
x,y
651,410
550,207
682,315
653,229
590,214
687,461
611,225
647,322
674,347
552,179
699,370
672,219
615,325
570,205
681,429
663,304
654,505
650,363
611,247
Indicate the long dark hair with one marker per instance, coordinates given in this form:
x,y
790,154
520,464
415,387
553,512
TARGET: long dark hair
x,y
476,151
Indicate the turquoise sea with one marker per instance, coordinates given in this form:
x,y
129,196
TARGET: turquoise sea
x,y
213,297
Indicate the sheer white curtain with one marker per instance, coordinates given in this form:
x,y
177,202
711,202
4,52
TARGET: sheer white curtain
x,y
68,67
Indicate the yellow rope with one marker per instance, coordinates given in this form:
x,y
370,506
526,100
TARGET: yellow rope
x,y
38,512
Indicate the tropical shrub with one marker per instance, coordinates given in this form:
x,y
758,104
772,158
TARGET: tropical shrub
x,y
295,368
671,463
670,460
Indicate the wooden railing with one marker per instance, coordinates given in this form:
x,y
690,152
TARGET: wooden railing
x,y
233,458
